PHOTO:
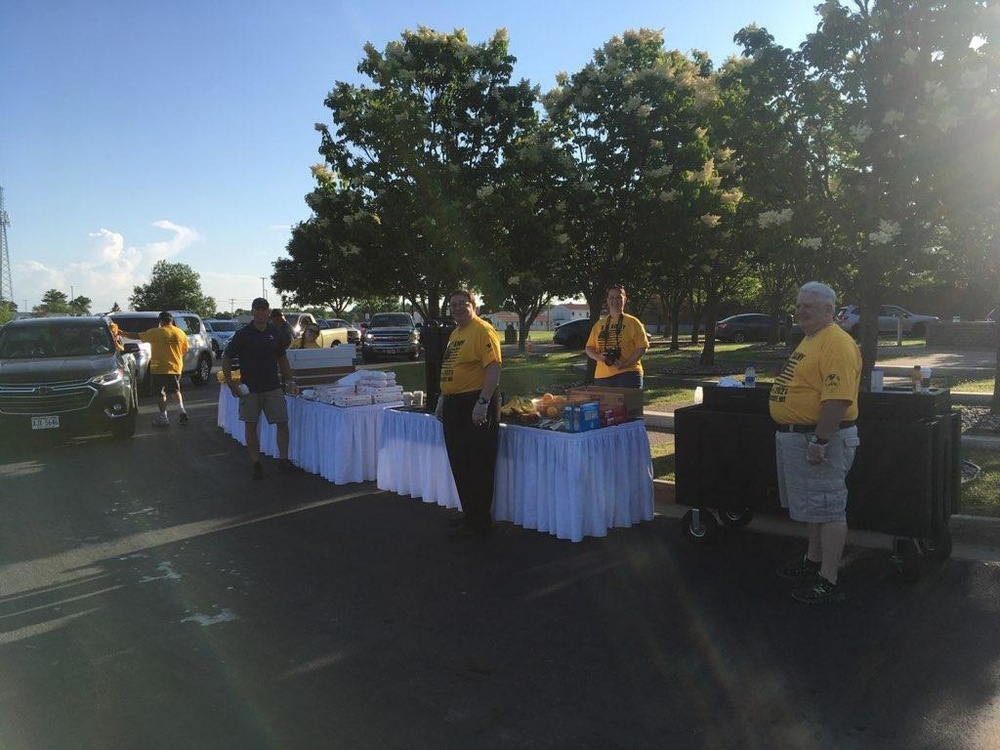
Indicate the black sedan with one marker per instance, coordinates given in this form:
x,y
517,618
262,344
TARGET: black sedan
x,y
573,334
745,327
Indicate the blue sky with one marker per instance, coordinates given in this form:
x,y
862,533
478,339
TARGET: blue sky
x,y
135,130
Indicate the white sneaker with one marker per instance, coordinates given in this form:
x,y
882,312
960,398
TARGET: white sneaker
x,y
161,420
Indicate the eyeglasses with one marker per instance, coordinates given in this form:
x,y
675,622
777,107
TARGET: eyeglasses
x,y
460,304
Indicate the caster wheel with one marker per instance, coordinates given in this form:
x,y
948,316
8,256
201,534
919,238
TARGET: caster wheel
x,y
701,530
736,518
938,547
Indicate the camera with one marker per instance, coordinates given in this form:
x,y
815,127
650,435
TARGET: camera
x,y
612,355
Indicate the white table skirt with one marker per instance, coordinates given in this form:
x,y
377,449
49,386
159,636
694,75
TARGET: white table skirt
x,y
570,485
338,444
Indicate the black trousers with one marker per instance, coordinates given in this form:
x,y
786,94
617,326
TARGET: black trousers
x,y
472,453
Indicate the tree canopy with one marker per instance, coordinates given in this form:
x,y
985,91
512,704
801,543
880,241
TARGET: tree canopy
x,y
172,286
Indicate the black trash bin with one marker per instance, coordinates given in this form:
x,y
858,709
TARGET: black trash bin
x,y
434,340
905,481
510,334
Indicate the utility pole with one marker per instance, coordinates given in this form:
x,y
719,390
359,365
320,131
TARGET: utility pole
x,y
232,306
262,292
6,286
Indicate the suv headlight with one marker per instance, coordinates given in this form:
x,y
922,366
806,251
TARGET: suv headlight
x,y
369,337
414,337
109,378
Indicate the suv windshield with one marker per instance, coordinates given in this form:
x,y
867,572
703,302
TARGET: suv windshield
x,y
384,320
223,325
56,340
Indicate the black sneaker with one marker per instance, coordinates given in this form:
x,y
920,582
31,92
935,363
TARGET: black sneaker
x,y
800,569
285,466
258,470
820,591
183,417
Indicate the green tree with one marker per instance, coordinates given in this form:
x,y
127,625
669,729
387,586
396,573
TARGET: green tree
x,y
908,111
419,143
54,302
80,305
8,310
172,286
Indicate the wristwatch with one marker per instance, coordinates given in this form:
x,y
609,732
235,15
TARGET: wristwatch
x,y
482,400
817,440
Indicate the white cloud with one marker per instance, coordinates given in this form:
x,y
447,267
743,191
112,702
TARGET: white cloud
x,y
108,270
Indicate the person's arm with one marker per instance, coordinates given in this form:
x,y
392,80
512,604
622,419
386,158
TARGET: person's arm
x,y
286,371
491,380
831,415
591,348
227,374
631,361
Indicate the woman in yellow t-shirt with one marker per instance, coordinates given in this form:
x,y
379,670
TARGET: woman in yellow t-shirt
x,y
308,340
617,344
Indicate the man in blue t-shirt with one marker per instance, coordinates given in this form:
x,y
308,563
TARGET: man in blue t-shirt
x,y
261,352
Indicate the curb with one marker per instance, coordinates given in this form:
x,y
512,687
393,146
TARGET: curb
x,y
973,537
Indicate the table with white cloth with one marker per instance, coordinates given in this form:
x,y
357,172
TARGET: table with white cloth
x,y
571,485
339,444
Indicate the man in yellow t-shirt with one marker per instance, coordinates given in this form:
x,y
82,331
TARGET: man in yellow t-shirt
x,y
469,409
168,344
814,404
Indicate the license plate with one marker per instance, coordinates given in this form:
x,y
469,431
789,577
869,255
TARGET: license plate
x,y
44,423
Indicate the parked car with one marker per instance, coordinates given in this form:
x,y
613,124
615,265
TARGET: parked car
x,y
389,334
994,315
66,375
746,327
197,360
573,334
220,332
914,324
353,334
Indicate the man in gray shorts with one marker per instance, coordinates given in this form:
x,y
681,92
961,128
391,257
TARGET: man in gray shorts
x,y
814,404
261,353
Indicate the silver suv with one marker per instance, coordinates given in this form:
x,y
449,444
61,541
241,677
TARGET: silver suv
x,y
197,360
221,331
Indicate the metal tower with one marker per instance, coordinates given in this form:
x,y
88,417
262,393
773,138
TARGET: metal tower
x,y
6,286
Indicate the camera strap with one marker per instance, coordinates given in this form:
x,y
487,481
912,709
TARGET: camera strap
x,y
605,334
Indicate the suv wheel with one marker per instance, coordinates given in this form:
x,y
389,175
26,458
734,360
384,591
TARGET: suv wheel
x,y
203,372
123,429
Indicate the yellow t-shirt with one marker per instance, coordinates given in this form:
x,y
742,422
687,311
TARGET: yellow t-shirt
x,y
168,344
471,349
628,334
824,366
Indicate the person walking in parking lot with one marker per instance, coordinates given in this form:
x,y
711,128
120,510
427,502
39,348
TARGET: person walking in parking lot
x,y
261,352
469,411
814,404
167,344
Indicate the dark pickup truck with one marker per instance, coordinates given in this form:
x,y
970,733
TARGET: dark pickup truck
x,y
390,334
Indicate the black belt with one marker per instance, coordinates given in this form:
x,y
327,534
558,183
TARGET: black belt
x,y
810,427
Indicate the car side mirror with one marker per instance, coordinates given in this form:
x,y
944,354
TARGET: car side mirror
x,y
130,347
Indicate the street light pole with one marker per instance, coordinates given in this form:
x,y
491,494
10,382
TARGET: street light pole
x,y
262,292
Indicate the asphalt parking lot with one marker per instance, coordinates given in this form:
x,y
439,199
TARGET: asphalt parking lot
x,y
152,595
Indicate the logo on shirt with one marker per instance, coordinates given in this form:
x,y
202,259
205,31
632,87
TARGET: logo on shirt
x,y
832,381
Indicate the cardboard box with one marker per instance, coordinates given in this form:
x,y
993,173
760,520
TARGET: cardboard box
x,y
312,367
621,400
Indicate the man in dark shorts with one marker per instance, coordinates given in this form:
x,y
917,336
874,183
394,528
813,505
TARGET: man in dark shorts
x,y
167,343
261,351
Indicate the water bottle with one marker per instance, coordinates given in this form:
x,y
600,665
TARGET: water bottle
x,y
750,378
